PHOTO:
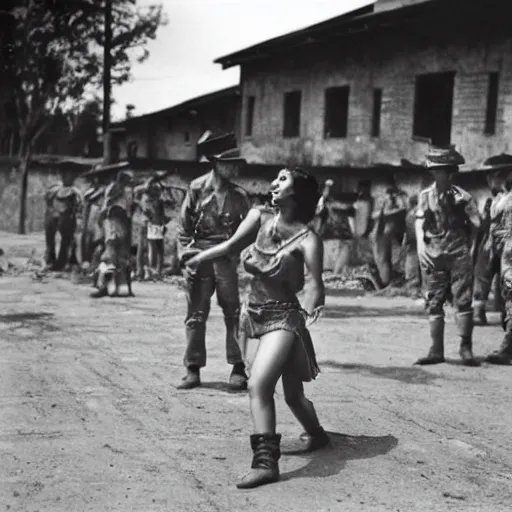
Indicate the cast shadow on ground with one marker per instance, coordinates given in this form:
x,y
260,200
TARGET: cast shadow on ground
x,y
29,320
361,311
405,374
331,460
222,386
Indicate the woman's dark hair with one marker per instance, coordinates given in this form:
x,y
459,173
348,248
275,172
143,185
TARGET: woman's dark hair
x,y
305,188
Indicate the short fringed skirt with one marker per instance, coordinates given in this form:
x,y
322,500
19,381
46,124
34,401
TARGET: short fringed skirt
x,y
256,320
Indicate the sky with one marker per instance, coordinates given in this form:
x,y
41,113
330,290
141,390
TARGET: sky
x,y
180,65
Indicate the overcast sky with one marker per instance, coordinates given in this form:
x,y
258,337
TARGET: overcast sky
x,y
180,65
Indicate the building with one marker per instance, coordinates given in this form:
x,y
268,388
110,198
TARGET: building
x,y
377,85
172,133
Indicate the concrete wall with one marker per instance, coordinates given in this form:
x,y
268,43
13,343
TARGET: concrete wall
x,y
391,63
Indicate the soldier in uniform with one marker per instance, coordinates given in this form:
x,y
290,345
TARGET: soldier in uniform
x,y
150,199
92,233
332,222
446,227
488,258
116,214
502,236
388,227
212,211
63,203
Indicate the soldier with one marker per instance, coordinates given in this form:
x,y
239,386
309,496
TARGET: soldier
x,y
212,211
388,227
488,258
92,233
446,227
116,214
332,222
502,239
63,203
150,198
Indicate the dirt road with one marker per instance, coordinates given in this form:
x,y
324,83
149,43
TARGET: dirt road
x,y
90,419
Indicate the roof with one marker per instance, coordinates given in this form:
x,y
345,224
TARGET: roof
x,y
55,160
363,21
199,101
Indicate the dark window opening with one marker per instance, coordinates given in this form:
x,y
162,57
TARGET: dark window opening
x,y
433,107
292,103
336,112
377,108
492,104
187,136
249,115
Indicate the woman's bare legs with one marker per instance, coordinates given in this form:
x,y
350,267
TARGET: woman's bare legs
x,y
271,356
302,408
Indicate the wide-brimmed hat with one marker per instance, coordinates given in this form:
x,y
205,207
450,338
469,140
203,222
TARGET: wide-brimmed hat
x,y
230,156
439,157
209,145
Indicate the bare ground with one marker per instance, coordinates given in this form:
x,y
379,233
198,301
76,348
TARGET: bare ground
x,y
90,419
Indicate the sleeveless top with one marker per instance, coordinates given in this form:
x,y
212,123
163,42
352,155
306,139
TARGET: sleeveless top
x,y
277,265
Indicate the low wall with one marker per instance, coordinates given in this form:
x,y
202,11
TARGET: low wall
x,y
255,179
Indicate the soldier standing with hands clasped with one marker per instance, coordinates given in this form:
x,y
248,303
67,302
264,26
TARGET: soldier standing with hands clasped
x,y
212,211
446,226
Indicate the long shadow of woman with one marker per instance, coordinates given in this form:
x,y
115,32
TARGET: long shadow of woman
x,y
331,460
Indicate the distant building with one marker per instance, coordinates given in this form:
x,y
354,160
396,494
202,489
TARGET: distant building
x,y
377,85
172,133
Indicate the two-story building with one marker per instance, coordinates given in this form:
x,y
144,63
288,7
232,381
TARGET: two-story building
x,y
172,133
377,85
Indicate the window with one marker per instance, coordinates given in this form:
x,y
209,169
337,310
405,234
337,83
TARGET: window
x,y
292,101
433,107
249,115
377,107
492,104
187,137
336,112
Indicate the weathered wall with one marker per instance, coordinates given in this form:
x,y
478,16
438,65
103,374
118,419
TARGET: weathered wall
x,y
165,136
390,63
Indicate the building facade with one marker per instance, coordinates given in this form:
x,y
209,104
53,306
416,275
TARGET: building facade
x,y
378,85
172,134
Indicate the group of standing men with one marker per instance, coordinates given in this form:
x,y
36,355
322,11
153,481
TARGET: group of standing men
x,y
106,211
384,221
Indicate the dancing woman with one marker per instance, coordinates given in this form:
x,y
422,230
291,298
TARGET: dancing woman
x,y
273,314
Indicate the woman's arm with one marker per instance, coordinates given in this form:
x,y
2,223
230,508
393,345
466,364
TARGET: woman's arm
x,y
313,250
243,236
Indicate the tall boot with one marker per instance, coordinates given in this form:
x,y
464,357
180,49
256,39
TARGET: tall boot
x,y
465,325
436,353
266,454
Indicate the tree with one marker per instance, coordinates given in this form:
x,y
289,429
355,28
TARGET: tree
x,y
54,60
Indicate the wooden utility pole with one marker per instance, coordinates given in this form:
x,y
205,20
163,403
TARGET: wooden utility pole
x,y
107,83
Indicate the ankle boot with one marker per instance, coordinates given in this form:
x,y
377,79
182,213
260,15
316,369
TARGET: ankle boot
x,y
315,440
465,325
436,353
504,354
191,379
264,469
